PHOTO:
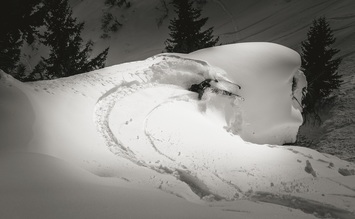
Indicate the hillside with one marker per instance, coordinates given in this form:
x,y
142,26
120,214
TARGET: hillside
x,y
108,142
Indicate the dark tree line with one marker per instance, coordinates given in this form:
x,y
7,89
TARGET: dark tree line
x,y
68,54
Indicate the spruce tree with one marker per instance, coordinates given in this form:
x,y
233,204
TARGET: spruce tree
x,y
320,66
18,22
185,30
68,56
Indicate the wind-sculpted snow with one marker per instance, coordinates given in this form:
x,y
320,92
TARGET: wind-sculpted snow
x,y
139,123
272,86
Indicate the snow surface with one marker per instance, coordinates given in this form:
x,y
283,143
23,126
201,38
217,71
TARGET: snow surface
x,y
143,136
269,113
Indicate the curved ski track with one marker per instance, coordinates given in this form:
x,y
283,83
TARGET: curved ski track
x,y
189,173
154,159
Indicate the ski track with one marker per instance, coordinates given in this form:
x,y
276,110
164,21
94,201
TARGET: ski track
x,y
151,137
230,187
159,161
187,172
318,209
101,114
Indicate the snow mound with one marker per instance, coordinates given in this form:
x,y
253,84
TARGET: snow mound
x,y
271,84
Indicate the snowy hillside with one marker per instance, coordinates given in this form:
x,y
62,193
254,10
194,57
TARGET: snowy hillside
x,y
132,141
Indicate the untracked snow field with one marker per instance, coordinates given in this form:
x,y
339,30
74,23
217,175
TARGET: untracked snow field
x,y
131,141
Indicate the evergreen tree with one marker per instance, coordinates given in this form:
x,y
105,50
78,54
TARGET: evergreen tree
x,y
185,30
319,64
18,22
68,56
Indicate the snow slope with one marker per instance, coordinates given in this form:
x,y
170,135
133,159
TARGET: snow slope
x,y
140,131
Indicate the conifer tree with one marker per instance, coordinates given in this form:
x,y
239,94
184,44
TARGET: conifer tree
x,y
18,22
319,64
185,30
68,56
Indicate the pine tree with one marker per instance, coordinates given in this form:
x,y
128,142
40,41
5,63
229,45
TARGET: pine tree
x,y
185,30
319,64
68,56
18,23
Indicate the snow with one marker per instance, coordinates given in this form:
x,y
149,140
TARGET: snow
x,y
268,113
108,142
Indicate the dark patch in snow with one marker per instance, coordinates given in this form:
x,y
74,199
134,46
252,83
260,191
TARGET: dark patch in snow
x,y
125,179
309,169
104,174
239,211
197,186
331,165
297,152
293,150
346,172
343,195
318,209
323,161
165,169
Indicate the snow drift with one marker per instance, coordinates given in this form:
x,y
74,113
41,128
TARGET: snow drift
x,y
271,84
137,124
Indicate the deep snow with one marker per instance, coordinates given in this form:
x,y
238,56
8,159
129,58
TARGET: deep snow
x,y
136,125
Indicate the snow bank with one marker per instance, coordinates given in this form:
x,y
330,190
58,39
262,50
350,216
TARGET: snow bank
x,y
16,115
271,87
